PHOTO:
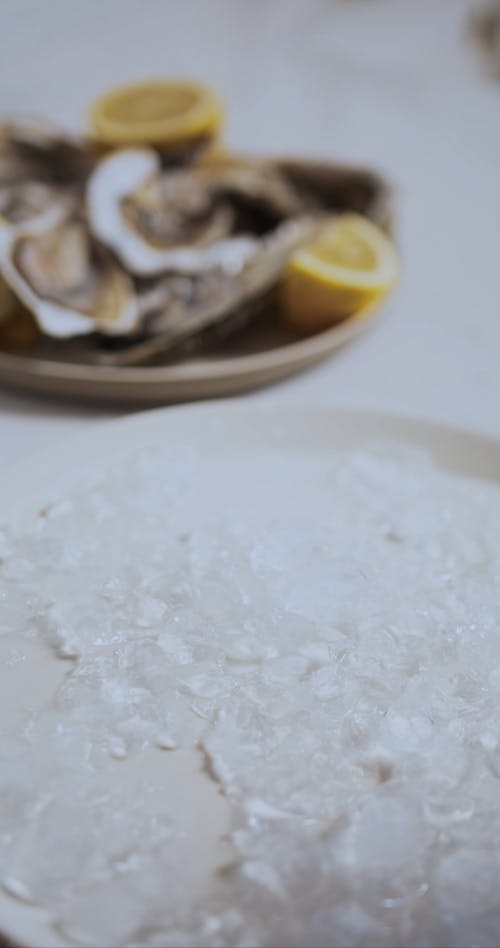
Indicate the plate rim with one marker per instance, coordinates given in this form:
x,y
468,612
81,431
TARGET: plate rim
x,y
197,369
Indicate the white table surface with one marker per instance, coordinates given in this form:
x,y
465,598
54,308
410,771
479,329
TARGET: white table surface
x,y
387,82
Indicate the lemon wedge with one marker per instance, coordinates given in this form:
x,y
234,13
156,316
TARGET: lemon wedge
x,y
164,113
348,268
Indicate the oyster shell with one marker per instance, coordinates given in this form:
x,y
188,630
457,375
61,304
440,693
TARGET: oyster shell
x,y
157,220
336,188
70,283
38,165
180,306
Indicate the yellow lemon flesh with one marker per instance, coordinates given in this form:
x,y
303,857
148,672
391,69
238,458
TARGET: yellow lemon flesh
x,y
348,268
166,113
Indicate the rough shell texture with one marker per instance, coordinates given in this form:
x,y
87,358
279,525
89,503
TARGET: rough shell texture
x,y
339,187
48,151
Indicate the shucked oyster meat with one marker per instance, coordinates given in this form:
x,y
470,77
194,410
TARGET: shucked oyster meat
x,y
175,208
70,283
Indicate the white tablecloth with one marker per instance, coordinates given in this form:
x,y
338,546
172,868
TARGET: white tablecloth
x,y
386,82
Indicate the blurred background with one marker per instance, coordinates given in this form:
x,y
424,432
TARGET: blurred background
x,y
399,84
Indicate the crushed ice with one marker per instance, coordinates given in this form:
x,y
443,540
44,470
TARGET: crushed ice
x,y
327,635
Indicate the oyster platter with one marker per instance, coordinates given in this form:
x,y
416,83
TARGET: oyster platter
x,y
144,261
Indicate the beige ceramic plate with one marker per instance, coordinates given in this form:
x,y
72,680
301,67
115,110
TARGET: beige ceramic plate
x,y
217,431
257,356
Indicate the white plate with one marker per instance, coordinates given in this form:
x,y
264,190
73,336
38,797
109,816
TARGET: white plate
x,y
217,431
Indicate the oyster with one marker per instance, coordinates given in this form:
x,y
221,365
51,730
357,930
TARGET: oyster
x,y
180,306
70,283
39,164
153,222
157,220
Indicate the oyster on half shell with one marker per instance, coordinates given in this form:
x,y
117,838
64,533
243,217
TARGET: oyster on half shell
x,y
70,283
180,306
157,220
152,222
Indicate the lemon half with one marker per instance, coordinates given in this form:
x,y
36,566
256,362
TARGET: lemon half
x,y
348,268
162,112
